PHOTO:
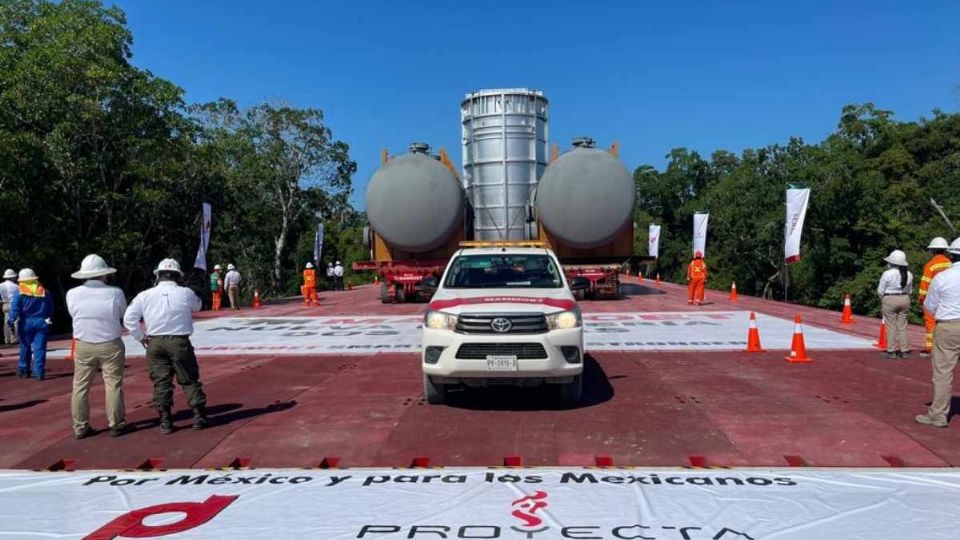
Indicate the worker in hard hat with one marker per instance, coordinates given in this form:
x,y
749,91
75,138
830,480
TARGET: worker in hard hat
x,y
696,279
97,311
167,314
943,301
310,285
940,262
331,280
31,312
894,289
232,282
216,287
8,291
338,275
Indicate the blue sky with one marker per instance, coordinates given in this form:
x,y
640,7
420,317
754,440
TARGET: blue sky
x,y
652,75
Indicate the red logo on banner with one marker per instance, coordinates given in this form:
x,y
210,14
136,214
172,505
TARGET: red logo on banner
x,y
130,525
528,506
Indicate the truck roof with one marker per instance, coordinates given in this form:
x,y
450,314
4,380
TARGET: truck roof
x,y
505,250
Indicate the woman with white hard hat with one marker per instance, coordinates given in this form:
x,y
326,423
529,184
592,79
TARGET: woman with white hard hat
x,y
894,289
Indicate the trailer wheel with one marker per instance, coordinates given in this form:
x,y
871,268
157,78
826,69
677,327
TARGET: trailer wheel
x,y
571,392
436,394
384,293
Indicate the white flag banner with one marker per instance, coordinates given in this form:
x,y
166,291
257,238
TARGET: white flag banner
x,y
700,232
797,200
201,261
318,243
653,241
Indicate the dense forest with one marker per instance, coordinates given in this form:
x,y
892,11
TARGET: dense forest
x,y
99,156
873,183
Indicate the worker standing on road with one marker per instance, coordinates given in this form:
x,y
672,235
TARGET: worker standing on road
x,y
8,291
167,314
97,311
331,282
338,275
216,287
232,282
696,279
310,285
943,301
940,262
31,312
894,289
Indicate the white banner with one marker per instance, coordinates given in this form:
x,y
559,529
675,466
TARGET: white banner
x,y
653,241
201,261
521,503
700,232
358,334
797,200
318,242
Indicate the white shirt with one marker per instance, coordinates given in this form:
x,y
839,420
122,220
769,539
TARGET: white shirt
x,y
943,296
338,271
232,279
329,271
97,311
166,310
890,283
8,290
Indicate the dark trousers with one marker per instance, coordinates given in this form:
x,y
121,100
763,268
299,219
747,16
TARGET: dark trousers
x,y
169,356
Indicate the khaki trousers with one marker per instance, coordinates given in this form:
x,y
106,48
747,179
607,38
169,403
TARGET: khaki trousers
x,y
109,357
946,351
895,312
9,334
233,293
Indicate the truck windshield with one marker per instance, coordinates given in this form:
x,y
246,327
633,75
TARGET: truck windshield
x,y
503,271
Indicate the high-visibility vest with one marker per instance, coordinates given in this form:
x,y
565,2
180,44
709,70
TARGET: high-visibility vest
x,y
697,269
309,278
32,289
934,266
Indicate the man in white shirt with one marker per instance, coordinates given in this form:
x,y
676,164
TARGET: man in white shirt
x,y
232,282
338,275
331,281
97,312
943,301
167,314
8,290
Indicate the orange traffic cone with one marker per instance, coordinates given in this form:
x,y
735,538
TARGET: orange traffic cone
x,y
882,342
753,335
640,275
376,279
733,291
798,349
847,310
256,299
658,279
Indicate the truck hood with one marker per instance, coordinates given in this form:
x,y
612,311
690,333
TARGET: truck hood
x,y
456,301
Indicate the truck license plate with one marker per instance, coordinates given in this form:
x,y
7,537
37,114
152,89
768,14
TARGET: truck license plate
x,y
501,363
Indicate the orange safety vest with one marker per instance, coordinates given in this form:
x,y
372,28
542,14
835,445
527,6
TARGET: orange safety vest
x,y
310,278
697,269
934,266
32,289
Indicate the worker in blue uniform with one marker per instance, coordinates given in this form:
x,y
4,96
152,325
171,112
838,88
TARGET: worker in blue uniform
x,y
31,312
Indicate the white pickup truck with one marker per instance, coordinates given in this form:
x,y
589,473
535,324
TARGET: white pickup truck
x,y
503,316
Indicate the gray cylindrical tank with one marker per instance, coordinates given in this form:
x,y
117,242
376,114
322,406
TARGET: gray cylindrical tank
x,y
414,202
585,197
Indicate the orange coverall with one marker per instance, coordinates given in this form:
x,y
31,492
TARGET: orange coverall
x,y
696,278
310,287
934,266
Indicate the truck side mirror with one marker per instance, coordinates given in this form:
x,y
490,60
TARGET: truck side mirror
x,y
579,283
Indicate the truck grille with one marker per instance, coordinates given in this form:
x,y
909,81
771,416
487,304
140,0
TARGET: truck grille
x,y
520,323
480,351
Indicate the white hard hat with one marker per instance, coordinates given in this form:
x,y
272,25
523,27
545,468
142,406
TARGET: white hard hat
x,y
9,274
938,243
231,267
27,274
954,248
329,264
217,267
93,266
309,265
897,258
168,265
338,263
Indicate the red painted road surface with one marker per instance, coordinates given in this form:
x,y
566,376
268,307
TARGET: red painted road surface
x,y
848,408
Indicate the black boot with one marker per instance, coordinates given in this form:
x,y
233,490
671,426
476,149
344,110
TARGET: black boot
x,y
166,421
200,417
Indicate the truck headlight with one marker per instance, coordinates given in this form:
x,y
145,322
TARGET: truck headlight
x,y
439,320
564,320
